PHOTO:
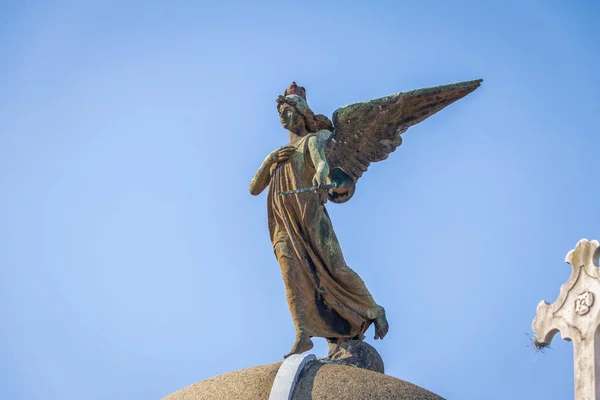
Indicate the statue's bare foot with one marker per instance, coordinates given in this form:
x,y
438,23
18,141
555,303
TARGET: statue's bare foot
x,y
302,344
381,324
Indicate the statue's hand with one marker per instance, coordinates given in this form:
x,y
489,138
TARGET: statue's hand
x,y
282,154
320,179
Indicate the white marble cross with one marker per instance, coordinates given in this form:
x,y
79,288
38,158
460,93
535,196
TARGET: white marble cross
x,y
576,314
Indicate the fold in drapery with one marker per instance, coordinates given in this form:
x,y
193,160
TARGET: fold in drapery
x,y
326,297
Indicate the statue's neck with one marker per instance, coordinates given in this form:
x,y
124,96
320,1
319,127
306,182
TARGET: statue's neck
x,y
296,135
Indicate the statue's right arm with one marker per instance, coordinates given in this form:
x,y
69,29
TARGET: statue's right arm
x,y
262,177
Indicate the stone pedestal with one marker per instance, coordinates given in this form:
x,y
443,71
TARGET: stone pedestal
x,y
576,315
353,371
317,381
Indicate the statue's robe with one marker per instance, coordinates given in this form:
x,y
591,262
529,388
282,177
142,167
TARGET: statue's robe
x,y
326,297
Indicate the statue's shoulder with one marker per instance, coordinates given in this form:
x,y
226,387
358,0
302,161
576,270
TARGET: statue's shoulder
x,y
302,142
320,137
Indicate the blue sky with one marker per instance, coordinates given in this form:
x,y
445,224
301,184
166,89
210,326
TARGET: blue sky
x,y
133,261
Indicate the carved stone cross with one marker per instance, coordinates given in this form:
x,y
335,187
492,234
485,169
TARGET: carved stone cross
x,y
576,314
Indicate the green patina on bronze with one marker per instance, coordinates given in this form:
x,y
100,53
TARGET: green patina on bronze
x,y
325,296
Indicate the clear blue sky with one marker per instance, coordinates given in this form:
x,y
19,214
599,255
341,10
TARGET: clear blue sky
x,y
133,261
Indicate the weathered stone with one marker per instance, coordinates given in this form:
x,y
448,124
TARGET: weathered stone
x,y
340,382
356,353
318,381
576,314
246,384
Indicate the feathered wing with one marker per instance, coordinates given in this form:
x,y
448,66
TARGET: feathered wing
x,y
369,131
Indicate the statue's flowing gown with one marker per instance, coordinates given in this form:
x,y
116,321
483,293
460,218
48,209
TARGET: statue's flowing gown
x,y
326,297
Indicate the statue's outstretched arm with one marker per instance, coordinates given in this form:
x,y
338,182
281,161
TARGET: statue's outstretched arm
x,y
263,175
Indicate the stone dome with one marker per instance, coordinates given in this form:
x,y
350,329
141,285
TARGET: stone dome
x,y
318,381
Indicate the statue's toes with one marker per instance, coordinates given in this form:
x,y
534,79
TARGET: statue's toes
x,y
382,332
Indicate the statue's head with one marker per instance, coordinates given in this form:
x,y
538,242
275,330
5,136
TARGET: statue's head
x,y
294,112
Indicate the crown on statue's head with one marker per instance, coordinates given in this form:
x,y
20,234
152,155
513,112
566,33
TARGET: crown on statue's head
x,y
295,89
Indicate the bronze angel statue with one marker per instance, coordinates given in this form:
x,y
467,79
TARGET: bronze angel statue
x,y
324,160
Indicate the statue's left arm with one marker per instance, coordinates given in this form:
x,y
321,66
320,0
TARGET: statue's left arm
x,y
316,148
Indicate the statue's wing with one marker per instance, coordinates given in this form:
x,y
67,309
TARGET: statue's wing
x,y
369,131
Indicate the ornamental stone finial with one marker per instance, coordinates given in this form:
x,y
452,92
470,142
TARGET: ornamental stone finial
x,y
576,315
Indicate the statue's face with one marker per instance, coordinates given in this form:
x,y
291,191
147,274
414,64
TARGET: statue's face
x,y
290,118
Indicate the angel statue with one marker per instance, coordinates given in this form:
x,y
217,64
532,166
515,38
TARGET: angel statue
x,y
323,161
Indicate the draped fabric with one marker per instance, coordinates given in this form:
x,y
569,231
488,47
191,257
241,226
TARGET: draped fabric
x,y
326,297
